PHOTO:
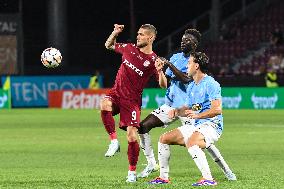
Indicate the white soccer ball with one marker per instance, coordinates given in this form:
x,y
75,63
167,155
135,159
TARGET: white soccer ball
x,y
51,57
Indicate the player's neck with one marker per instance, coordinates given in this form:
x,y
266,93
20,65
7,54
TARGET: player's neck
x,y
186,54
198,77
147,49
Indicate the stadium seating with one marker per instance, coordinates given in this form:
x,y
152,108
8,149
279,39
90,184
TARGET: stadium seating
x,y
244,39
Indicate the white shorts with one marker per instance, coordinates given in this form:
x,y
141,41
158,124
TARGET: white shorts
x,y
162,114
206,129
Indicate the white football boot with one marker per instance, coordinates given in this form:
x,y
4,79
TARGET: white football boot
x,y
112,149
148,170
231,176
131,176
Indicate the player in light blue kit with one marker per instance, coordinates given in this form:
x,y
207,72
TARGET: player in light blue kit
x,y
204,105
177,81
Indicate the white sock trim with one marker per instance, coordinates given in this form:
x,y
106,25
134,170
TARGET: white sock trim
x,y
164,157
200,160
146,146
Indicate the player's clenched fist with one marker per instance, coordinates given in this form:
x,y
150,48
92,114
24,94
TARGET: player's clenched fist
x,y
118,28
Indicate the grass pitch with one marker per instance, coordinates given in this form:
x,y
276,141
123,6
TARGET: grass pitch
x,y
49,148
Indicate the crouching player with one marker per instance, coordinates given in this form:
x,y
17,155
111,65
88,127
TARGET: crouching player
x,y
203,104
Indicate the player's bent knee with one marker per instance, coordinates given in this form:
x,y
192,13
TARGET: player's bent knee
x,y
131,134
131,138
164,139
193,142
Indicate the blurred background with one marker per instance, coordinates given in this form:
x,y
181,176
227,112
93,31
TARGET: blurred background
x,y
243,39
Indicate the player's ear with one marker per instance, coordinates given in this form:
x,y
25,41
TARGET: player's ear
x,y
197,66
152,37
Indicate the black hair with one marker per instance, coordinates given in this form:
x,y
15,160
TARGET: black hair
x,y
150,27
201,59
195,34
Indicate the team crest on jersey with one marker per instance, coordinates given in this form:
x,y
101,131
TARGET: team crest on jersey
x,y
196,107
146,63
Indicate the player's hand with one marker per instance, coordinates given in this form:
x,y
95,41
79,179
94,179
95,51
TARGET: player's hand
x,y
165,61
173,113
191,114
118,29
159,64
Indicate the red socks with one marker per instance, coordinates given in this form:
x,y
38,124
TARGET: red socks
x,y
109,123
133,153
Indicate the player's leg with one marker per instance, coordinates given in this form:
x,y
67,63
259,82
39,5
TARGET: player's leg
x,y
218,158
157,118
204,135
146,125
109,124
133,153
173,137
129,121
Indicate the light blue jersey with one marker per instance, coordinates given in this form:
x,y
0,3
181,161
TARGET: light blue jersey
x,y
176,92
200,97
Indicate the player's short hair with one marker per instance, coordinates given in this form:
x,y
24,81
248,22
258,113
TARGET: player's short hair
x,y
201,59
150,27
195,34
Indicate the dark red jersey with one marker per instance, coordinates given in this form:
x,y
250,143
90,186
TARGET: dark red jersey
x,y
135,71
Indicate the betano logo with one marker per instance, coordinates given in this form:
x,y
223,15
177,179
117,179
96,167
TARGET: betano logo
x,y
264,102
80,101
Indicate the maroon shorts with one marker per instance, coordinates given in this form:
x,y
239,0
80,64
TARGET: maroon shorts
x,y
129,110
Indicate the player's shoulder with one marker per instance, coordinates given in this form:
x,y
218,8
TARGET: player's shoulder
x,y
125,45
190,85
176,56
211,81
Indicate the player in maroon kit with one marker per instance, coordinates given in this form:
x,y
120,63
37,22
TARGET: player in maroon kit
x,y
138,65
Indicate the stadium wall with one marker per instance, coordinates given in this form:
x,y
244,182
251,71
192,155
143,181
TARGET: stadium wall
x,y
233,98
32,91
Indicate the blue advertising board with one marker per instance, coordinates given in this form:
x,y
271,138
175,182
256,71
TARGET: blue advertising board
x,y
32,91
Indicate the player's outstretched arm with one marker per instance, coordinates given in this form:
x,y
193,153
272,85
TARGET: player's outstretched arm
x,y
179,75
110,42
159,64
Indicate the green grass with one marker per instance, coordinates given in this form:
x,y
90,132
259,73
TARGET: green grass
x,y
48,148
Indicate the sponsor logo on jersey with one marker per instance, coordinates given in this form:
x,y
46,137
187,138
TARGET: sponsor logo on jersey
x,y
130,65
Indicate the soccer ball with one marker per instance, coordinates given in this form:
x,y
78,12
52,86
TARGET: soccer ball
x,y
51,57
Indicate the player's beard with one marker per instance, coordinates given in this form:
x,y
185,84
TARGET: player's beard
x,y
141,45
